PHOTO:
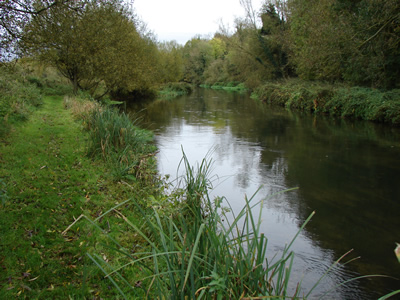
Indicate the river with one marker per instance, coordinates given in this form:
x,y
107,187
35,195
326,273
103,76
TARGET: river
x,y
348,172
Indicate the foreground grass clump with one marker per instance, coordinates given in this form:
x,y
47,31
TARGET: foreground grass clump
x,y
192,248
174,89
335,100
115,137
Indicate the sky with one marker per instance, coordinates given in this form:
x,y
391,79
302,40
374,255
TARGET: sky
x,y
180,20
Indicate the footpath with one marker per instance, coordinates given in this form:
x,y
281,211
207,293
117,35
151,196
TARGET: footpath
x,y
49,183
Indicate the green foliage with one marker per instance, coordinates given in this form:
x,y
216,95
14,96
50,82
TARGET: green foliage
x,y
361,103
170,62
230,86
3,192
97,47
114,137
366,104
199,250
175,89
357,41
18,97
197,55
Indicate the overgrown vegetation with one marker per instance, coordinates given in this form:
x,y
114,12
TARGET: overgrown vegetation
x,y
22,87
335,100
230,86
196,249
175,89
18,96
115,138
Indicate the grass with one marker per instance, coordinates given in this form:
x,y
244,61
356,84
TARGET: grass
x,y
47,181
335,100
197,250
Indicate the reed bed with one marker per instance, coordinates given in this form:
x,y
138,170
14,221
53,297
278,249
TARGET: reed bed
x,y
115,137
198,250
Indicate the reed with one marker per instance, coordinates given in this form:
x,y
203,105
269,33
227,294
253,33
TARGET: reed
x,y
115,137
200,250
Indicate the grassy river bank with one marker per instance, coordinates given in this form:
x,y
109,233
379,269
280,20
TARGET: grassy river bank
x,y
83,214
50,181
73,228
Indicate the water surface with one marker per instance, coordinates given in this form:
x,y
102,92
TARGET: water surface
x,y
346,171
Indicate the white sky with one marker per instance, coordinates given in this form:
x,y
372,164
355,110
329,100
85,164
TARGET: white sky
x,y
180,20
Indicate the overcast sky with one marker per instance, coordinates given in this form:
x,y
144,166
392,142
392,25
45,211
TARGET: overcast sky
x,y
180,20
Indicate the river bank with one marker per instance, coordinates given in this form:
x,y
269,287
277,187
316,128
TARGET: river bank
x,y
70,229
49,182
338,101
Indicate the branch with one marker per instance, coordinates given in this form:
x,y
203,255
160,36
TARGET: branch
x,y
376,33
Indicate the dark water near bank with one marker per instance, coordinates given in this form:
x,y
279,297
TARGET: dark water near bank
x,y
348,172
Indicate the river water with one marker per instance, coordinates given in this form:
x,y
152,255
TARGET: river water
x,y
348,172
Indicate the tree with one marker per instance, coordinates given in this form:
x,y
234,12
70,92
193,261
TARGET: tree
x,y
197,55
321,39
375,59
170,62
98,48
356,41
16,13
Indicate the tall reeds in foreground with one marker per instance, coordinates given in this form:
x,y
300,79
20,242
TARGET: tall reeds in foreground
x,y
198,251
115,137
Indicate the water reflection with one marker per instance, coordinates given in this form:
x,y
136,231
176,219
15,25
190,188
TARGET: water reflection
x,y
346,171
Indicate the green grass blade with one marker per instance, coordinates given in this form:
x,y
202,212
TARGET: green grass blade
x,y
105,273
193,254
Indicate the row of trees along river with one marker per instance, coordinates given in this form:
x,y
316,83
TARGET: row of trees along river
x,y
102,48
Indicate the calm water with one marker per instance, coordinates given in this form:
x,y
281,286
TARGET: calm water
x,y
348,172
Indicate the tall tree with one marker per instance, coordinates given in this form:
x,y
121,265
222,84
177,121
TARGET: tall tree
x,y
98,48
321,40
16,13
197,55
170,62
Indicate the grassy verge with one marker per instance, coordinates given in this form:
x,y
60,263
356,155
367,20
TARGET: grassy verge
x,y
335,100
47,181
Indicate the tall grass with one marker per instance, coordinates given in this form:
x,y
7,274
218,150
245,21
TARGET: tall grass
x,y
200,250
18,97
115,137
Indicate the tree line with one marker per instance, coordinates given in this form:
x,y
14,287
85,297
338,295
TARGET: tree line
x,y
102,47
353,42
